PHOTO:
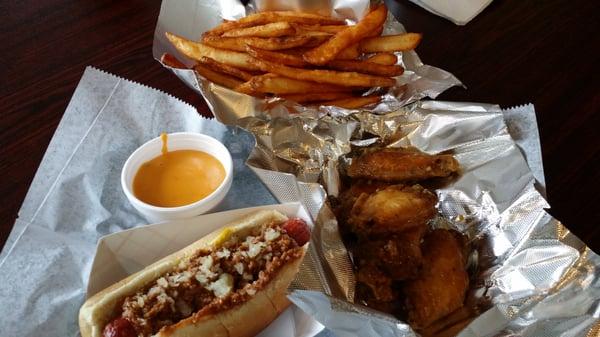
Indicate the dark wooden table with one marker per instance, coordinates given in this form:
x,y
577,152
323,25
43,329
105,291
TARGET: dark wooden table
x,y
515,52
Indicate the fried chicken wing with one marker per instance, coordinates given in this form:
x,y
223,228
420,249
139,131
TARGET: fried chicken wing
x,y
394,209
441,287
402,164
399,255
393,307
379,284
348,197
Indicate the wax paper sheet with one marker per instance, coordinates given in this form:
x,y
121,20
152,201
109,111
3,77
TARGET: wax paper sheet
x,y
530,276
76,197
190,18
458,11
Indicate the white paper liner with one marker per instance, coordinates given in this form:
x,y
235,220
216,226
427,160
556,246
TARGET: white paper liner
x,y
458,11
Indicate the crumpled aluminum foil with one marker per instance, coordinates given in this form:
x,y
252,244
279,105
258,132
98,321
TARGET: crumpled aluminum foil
x,y
190,19
530,276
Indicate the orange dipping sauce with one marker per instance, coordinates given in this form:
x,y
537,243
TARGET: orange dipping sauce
x,y
178,178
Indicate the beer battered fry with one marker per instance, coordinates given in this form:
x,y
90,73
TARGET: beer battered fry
x,y
273,84
269,17
366,67
387,59
196,51
319,28
350,53
227,69
172,61
218,78
351,79
271,43
347,37
274,29
390,43
277,57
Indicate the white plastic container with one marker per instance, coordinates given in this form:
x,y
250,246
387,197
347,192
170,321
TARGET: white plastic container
x,y
177,141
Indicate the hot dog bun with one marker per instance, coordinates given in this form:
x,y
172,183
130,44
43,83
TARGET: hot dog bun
x,y
246,319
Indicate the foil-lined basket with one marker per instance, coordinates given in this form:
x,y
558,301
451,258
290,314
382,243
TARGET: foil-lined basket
x,y
190,18
529,275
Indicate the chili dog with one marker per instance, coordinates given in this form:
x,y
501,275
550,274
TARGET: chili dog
x,y
232,282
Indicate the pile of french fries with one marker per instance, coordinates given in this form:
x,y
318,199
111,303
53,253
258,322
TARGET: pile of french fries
x,y
302,57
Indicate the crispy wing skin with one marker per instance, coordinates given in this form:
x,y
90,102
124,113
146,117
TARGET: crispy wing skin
x,y
394,209
379,284
441,287
399,255
349,196
401,164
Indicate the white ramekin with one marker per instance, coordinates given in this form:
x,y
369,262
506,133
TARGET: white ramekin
x,y
177,141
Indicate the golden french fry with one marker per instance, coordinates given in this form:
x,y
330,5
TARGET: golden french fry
x,y
225,68
316,33
196,51
273,52
172,61
347,37
319,28
271,43
273,84
387,59
295,51
274,29
218,78
377,31
350,53
317,96
247,88
277,57
269,17
390,43
366,67
354,102
317,40
350,79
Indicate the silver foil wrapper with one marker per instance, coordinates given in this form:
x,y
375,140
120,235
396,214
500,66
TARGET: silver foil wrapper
x,y
190,18
530,276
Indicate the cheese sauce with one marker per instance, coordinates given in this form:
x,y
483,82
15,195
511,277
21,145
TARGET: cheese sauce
x,y
177,178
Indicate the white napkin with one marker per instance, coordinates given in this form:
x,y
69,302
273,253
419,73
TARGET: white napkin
x,y
458,11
